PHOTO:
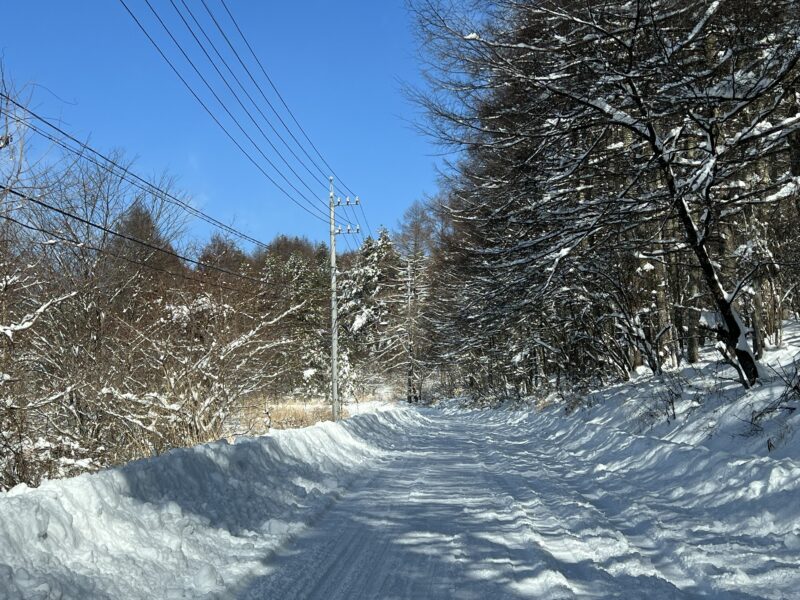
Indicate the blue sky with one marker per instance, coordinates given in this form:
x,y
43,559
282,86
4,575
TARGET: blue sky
x,y
339,65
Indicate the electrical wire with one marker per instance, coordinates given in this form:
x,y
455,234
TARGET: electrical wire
x,y
217,121
230,70
139,182
280,97
207,37
123,236
224,106
88,246
234,93
317,295
275,89
126,174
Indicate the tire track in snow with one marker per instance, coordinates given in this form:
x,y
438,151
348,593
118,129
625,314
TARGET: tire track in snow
x,y
473,508
400,536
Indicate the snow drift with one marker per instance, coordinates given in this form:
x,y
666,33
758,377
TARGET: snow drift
x,y
183,524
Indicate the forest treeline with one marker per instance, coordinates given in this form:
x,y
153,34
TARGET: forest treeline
x,y
624,186
120,338
623,190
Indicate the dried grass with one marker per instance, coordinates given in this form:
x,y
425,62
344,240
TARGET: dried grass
x,y
292,416
253,419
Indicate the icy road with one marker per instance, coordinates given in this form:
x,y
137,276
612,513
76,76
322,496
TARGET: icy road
x,y
415,504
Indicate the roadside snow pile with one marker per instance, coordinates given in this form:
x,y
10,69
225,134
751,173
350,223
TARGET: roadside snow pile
x,y
180,525
704,404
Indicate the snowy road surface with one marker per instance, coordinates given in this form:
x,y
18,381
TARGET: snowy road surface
x,y
477,509
420,504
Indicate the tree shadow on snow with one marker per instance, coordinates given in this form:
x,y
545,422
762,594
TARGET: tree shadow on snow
x,y
240,487
448,539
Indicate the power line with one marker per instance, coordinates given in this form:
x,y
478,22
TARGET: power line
x,y
123,236
230,88
317,295
363,214
223,105
140,182
252,100
275,89
258,86
230,70
280,97
127,175
225,108
81,244
217,121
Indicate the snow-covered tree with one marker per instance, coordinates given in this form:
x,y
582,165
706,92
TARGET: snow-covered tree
x,y
597,137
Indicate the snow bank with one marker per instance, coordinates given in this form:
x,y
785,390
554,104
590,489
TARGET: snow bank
x,y
711,408
182,524
724,524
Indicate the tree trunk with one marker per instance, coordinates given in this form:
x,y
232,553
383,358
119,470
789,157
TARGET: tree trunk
x,y
692,323
758,326
734,333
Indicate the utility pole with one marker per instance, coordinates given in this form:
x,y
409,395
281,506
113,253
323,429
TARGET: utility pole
x,y
334,316
412,394
335,404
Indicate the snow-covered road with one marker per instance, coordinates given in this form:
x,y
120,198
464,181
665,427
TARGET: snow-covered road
x,y
467,510
415,504
473,507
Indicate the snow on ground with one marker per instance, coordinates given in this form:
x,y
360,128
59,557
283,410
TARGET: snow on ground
x,y
408,502
370,406
186,524
711,407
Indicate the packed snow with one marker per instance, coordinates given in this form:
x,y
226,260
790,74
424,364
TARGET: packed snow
x,y
623,498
